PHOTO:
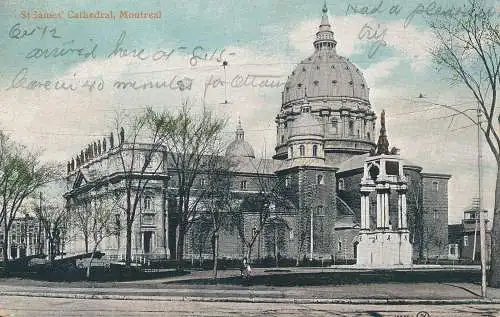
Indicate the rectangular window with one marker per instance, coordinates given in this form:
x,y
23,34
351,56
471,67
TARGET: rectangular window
x,y
335,126
351,127
287,181
243,185
466,241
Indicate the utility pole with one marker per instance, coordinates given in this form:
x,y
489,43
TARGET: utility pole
x,y
482,231
312,233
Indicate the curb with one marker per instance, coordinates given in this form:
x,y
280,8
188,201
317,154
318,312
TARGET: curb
x,y
348,301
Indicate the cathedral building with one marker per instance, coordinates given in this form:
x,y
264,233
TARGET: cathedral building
x,y
326,137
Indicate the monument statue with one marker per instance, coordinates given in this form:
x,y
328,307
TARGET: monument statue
x,y
383,143
111,141
122,135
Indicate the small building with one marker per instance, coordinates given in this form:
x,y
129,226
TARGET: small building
x,y
465,237
26,237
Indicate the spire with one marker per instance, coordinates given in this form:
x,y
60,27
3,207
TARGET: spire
x,y
240,133
324,17
324,36
383,143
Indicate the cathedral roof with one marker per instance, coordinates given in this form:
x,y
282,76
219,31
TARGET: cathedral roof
x,y
325,73
239,147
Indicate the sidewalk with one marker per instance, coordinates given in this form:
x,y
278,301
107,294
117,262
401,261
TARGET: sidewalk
x,y
188,287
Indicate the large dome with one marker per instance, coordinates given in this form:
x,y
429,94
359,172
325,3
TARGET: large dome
x,y
324,73
239,147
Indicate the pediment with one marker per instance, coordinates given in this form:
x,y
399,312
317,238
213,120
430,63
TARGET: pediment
x,y
80,180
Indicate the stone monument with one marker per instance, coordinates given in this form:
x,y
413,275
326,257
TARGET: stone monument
x,y
383,244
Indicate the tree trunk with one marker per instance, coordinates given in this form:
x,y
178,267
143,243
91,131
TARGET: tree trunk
x,y
87,245
215,253
128,252
90,263
180,249
494,273
249,253
5,243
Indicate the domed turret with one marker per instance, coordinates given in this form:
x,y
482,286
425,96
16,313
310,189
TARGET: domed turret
x,y
239,147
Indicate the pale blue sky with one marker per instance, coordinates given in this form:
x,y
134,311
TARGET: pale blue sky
x,y
267,38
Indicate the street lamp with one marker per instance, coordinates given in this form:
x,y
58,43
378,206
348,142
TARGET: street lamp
x,y
482,227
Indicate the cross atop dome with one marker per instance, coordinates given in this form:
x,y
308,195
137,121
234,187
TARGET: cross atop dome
x,y
324,36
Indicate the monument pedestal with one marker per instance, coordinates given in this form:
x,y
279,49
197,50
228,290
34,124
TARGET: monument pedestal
x,y
384,249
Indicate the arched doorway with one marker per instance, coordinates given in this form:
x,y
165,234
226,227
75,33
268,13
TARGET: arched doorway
x,y
355,249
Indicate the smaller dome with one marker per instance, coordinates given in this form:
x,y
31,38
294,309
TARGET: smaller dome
x,y
239,147
306,125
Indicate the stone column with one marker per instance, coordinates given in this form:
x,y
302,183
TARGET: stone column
x,y
28,242
404,217
386,209
365,211
142,242
379,210
400,217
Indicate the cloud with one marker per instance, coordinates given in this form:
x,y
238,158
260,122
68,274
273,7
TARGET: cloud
x,y
64,122
380,70
410,43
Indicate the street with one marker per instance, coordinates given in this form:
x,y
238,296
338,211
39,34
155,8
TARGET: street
x,y
37,306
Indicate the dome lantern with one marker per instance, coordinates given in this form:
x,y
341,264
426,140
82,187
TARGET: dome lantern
x,y
324,37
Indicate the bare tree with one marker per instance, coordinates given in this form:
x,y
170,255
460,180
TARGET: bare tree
x,y
54,218
263,203
96,220
140,159
192,141
416,215
468,47
218,201
21,173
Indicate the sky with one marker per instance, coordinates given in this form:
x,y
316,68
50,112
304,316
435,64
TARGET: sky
x,y
77,63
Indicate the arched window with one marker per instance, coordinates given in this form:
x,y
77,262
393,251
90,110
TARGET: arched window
x,y
435,186
315,150
290,150
320,179
351,127
341,184
302,150
282,139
